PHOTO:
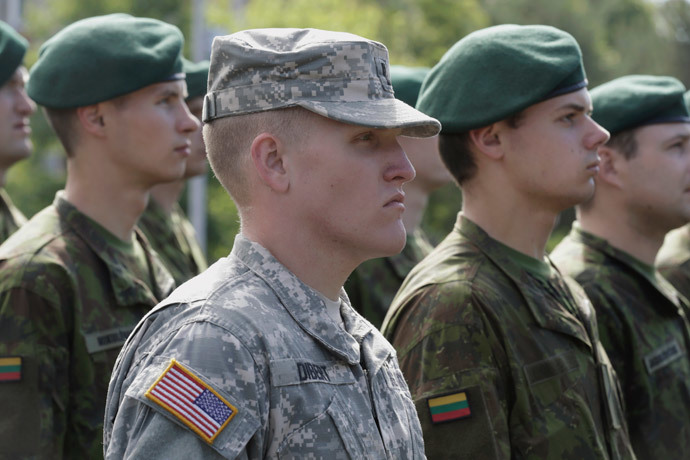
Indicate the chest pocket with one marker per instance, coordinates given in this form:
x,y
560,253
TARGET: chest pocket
x,y
550,379
330,435
320,412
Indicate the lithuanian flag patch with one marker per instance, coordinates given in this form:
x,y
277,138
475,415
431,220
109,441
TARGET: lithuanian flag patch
x,y
10,369
447,408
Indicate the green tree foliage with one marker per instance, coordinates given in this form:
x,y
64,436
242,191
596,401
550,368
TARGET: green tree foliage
x,y
617,37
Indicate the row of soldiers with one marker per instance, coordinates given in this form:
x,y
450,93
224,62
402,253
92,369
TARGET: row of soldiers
x,y
496,352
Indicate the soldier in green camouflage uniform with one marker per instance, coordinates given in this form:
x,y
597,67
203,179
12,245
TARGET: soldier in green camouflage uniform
x,y
261,355
501,352
76,278
673,259
641,193
164,222
15,109
372,286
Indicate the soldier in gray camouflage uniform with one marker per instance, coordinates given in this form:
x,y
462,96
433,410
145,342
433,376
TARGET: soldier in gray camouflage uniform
x,y
262,356
641,193
77,277
501,352
15,109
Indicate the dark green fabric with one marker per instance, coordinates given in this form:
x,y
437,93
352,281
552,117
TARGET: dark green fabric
x,y
644,328
637,100
196,74
174,239
12,49
407,81
468,316
103,57
61,285
11,218
499,71
373,284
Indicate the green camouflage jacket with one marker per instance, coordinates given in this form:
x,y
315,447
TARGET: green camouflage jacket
x,y
68,301
673,259
504,361
644,329
11,218
173,238
372,286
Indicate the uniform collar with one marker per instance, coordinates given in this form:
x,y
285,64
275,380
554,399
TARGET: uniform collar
x,y
126,288
539,293
303,303
646,271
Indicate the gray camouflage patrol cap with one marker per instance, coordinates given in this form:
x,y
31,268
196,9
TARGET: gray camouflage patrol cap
x,y
338,75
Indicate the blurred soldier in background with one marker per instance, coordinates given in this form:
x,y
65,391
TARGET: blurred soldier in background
x,y
15,109
164,222
77,277
372,286
673,260
642,191
261,356
500,351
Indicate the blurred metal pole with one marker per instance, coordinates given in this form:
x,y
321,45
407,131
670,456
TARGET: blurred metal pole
x,y
11,13
196,191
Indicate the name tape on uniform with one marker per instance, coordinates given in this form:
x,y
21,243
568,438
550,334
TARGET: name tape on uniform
x,y
192,401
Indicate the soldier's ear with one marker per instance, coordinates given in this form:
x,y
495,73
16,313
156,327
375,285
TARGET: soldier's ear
x,y
487,141
611,162
91,119
268,158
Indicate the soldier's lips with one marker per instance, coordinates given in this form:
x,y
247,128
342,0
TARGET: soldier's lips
x,y
593,167
184,150
23,127
398,201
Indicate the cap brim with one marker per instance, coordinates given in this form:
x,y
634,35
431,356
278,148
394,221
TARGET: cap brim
x,y
380,114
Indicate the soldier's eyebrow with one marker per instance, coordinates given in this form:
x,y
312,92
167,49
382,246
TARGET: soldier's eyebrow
x,y
169,92
573,106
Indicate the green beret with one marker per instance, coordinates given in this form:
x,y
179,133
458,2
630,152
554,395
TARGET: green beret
x,y
637,100
407,81
499,71
102,57
12,49
686,98
196,74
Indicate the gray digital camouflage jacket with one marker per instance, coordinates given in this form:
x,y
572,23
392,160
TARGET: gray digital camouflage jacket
x,y
272,376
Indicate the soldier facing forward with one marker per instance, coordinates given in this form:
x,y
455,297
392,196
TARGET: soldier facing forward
x,y
501,352
262,356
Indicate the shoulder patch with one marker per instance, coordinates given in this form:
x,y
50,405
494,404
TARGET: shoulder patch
x,y
10,368
447,408
192,401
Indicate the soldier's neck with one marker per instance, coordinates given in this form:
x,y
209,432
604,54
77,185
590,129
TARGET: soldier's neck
x,y
166,195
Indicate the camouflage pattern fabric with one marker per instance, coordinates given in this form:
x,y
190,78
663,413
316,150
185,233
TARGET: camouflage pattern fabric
x,y
302,387
520,347
11,218
67,303
372,286
644,328
337,75
174,239
673,260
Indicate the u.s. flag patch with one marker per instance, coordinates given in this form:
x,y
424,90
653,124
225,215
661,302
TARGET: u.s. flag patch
x,y
192,401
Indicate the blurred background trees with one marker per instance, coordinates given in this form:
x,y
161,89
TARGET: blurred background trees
x,y
617,37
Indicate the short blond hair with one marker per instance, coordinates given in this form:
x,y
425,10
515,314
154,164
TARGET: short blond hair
x,y
229,139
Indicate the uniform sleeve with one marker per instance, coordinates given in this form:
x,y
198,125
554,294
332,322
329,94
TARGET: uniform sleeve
x,y
34,341
460,393
210,405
